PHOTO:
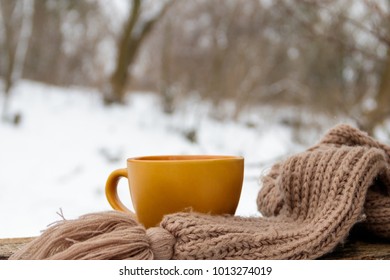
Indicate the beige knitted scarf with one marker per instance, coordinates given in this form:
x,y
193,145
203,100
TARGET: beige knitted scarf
x,y
309,204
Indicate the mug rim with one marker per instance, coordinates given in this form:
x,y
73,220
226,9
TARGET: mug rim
x,y
183,158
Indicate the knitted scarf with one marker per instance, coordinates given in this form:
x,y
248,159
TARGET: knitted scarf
x,y
309,203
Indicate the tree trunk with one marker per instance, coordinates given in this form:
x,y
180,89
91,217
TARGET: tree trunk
x,y
15,53
382,110
118,79
128,47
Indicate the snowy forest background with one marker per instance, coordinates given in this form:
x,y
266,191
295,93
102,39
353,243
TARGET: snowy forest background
x,y
86,84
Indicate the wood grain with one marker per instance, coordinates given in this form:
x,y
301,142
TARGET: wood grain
x,y
361,245
10,245
360,250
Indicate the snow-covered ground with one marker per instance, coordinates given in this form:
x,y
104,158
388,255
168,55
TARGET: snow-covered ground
x,y
60,155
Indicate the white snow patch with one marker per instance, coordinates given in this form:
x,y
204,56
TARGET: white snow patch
x,y
60,155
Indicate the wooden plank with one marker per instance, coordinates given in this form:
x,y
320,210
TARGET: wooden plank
x,y
354,249
360,250
10,245
361,245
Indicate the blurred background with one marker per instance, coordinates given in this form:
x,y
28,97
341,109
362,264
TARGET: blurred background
x,y
86,84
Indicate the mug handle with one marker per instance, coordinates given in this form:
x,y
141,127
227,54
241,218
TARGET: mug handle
x,y
112,191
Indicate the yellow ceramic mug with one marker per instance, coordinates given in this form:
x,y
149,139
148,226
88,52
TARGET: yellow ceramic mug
x,y
161,185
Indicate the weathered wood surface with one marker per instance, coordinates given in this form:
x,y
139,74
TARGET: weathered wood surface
x,y
361,246
10,245
360,250
355,249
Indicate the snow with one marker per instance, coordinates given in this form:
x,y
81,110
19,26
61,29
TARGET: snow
x,y
68,142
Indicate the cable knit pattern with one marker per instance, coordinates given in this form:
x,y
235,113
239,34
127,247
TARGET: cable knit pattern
x,y
309,204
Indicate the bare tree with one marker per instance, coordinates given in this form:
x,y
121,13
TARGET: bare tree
x,y
381,112
16,23
135,31
212,49
68,45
